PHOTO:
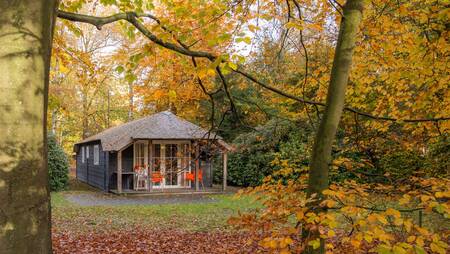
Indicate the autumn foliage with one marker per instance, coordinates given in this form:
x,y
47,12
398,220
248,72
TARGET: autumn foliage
x,y
388,183
353,217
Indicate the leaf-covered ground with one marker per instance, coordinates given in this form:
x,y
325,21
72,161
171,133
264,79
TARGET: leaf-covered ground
x,y
142,240
197,227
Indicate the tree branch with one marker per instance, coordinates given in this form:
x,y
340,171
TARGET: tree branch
x,y
132,18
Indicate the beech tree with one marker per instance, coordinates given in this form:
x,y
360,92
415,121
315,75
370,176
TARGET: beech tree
x,y
26,37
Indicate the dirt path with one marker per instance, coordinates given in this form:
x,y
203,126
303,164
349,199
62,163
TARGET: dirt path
x,y
95,199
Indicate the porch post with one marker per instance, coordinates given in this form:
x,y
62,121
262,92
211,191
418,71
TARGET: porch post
x,y
225,173
150,168
119,171
197,164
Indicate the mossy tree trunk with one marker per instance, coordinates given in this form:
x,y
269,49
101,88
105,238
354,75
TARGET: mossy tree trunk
x,y
325,136
25,39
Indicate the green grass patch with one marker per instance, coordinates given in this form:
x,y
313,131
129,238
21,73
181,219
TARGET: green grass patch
x,y
189,217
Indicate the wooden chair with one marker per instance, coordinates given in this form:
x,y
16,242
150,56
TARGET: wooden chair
x,y
157,177
191,177
140,179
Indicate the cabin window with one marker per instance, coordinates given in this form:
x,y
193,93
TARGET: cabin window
x,y
87,152
140,151
82,154
96,155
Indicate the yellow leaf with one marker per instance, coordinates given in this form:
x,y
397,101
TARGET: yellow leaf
x,y
299,215
285,251
411,239
398,250
331,233
355,243
232,65
330,203
393,212
368,238
436,248
419,241
424,198
382,219
372,218
273,244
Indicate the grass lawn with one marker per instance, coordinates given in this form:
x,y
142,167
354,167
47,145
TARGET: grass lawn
x,y
198,227
196,216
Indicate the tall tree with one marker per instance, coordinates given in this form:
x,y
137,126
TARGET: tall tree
x,y
25,36
321,154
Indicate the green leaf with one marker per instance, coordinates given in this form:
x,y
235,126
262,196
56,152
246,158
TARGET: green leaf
x,y
108,2
130,77
172,94
232,65
247,40
120,69
384,249
314,243
419,250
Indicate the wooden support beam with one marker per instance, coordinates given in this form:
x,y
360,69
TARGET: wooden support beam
x,y
150,166
225,170
119,171
197,164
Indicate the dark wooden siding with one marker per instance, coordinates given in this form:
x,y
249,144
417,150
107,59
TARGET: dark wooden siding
x,y
81,168
112,169
89,173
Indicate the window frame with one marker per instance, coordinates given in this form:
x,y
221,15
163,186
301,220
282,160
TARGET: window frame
x,y
96,150
87,152
139,154
83,154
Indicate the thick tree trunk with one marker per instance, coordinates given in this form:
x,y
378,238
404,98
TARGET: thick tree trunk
x,y
321,154
25,39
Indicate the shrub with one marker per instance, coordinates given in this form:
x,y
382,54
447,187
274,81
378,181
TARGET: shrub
x,y
58,165
438,158
401,164
257,150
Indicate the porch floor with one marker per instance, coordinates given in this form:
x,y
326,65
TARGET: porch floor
x,y
178,191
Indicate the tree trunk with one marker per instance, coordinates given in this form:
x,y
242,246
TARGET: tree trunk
x,y
53,121
25,39
131,101
325,136
85,132
108,112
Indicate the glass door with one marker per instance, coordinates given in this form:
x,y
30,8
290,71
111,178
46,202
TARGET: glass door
x,y
171,159
171,174
157,164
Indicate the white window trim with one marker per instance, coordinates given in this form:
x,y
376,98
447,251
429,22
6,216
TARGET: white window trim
x,y
87,152
96,154
163,157
82,154
145,152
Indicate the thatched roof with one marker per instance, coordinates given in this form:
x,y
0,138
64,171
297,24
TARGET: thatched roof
x,y
163,125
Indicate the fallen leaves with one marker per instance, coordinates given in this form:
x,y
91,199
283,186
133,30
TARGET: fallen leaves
x,y
154,241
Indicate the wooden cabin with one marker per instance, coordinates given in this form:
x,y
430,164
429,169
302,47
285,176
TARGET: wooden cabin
x,y
155,153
